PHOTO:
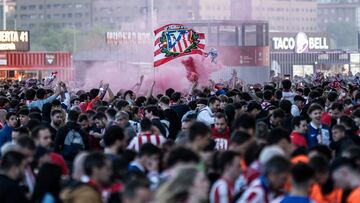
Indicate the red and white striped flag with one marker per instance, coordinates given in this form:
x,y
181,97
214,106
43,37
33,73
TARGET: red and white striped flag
x,y
175,40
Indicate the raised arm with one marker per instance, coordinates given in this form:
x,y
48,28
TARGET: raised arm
x,y
111,94
137,86
103,91
150,93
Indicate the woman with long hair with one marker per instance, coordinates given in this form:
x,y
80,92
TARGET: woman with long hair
x,y
48,184
189,185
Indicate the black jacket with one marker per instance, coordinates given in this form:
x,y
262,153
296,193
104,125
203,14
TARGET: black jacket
x,y
341,145
10,191
175,123
63,131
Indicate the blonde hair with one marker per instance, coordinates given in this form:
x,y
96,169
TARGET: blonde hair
x,y
177,189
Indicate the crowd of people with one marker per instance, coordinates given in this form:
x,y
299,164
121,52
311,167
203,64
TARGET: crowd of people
x,y
280,142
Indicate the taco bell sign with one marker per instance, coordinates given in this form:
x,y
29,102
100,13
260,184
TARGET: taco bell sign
x,y
301,43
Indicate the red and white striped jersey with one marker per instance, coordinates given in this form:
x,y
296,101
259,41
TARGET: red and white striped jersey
x,y
256,193
222,191
141,139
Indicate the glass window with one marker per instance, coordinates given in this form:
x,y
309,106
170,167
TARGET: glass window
x,y
32,7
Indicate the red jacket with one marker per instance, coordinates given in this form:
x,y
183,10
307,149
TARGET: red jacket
x,y
88,105
298,139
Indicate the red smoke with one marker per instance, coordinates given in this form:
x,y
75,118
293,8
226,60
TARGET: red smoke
x,y
177,74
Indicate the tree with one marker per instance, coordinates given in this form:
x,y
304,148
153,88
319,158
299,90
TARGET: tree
x,y
58,40
344,35
47,37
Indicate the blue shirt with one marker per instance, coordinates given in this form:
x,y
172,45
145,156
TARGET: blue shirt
x,y
296,199
39,103
5,135
316,136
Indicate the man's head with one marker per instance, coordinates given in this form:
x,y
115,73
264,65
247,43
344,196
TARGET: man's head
x,y
345,173
277,117
122,119
151,111
73,116
137,191
149,156
100,120
332,96
268,95
214,104
23,115
110,114
286,84
338,132
254,108
285,105
129,95
175,97
40,93
75,102
181,155
11,119
229,164
13,164
98,168
123,105
199,135
164,102
245,123
19,132
277,170
30,94
336,110
240,141
322,168
280,137
315,112
299,101
169,92
56,117
94,93
302,176
145,125
84,121
188,121
42,137
299,124
220,123
356,117
114,138
27,147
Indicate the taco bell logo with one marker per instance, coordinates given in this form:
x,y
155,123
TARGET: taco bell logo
x,y
301,43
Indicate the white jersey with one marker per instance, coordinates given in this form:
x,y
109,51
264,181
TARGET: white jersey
x,y
141,139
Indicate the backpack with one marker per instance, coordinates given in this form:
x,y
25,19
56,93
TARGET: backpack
x,y
73,144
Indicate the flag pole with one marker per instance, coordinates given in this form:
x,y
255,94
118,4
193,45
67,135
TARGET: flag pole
x,y
152,31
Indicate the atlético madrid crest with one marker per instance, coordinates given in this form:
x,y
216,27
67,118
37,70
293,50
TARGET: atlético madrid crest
x,y
176,40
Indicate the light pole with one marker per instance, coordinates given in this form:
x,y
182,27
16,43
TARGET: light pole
x,y
4,14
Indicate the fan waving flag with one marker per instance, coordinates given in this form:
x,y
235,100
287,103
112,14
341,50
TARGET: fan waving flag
x,y
175,40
